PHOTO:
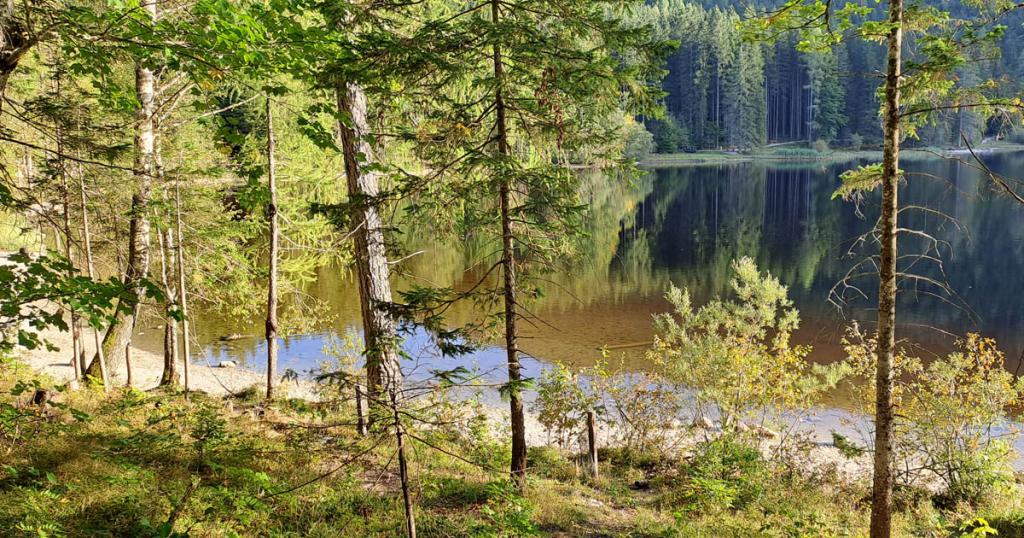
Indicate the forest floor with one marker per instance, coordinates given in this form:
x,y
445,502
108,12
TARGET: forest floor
x,y
791,154
151,464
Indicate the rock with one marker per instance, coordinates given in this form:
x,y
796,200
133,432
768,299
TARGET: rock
x,y
227,364
231,337
702,423
640,485
764,433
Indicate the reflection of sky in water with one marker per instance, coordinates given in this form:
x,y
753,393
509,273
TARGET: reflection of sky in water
x,y
305,354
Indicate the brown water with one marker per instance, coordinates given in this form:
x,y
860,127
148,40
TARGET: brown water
x,y
684,225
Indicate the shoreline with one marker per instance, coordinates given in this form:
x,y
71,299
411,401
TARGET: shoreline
x,y
710,157
215,381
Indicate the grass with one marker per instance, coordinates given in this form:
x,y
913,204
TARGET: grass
x,y
152,464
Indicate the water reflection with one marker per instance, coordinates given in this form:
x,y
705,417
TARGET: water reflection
x,y
685,225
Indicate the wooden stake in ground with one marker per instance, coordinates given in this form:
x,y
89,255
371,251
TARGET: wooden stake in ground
x,y
592,444
360,410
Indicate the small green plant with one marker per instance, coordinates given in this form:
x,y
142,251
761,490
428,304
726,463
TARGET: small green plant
x,y
846,447
976,528
507,512
724,474
561,403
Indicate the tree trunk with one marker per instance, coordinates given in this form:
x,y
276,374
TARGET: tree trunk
x,y
87,244
508,265
119,333
271,325
182,290
881,495
382,366
15,41
167,264
76,343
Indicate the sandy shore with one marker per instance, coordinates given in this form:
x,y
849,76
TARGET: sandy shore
x,y
147,368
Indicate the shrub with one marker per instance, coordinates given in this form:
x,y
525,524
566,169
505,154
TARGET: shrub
x,y
669,136
951,421
736,355
724,474
561,403
638,142
643,408
820,146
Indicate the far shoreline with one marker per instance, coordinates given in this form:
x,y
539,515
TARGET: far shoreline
x,y
809,156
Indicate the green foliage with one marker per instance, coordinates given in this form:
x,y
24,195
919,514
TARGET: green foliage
x,y
669,136
507,512
639,143
27,283
561,404
976,528
736,355
846,447
952,420
723,474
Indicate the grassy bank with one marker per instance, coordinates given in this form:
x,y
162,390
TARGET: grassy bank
x,y
151,464
810,155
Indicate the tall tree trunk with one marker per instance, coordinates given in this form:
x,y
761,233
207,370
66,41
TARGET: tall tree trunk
x,y
169,376
271,325
508,265
87,244
76,343
119,333
382,366
182,290
881,495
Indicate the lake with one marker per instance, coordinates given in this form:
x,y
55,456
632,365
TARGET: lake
x,y
684,225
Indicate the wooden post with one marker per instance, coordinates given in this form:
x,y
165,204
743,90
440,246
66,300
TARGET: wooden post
x,y
592,442
128,362
360,410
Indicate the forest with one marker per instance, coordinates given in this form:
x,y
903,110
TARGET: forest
x,y
507,268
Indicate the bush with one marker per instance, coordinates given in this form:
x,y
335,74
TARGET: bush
x,y
643,408
638,142
856,141
820,146
561,404
724,474
951,421
669,136
736,355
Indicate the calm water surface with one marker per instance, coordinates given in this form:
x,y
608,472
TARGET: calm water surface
x,y
684,226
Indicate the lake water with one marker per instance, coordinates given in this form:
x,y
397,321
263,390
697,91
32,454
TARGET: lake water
x,y
684,225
